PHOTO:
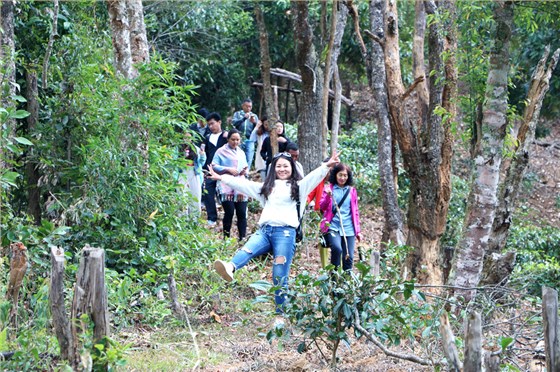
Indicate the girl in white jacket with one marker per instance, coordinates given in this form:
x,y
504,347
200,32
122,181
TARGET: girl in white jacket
x,y
278,196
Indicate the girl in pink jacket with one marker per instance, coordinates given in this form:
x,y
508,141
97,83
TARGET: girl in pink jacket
x,y
341,217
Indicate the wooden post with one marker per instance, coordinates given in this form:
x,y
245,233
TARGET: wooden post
x,y
18,267
90,297
551,328
449,347
374,263
56,298
473,343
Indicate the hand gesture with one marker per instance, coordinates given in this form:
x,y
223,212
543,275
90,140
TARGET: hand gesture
x,y
212,174
334,160
233,171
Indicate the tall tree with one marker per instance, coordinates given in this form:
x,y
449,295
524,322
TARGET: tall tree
x,y
8,65
339,17
482,201
31,171
375,69
424,136
310,136
265,66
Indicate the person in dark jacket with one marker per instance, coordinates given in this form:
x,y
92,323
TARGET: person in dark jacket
x,y
200,129
213,141
266,151
245,121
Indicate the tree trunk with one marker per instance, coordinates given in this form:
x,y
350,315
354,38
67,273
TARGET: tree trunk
x,y
54,33
327,78
31,171
139,48
482,202
61,324
423,136
90,298
339,18
310,136
336,109
509,187
418,66
8,66
120,29
393,226
271,112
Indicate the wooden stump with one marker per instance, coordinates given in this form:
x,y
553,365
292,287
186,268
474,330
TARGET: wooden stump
x,y
551,328
18,267
90,298
473,343
56,298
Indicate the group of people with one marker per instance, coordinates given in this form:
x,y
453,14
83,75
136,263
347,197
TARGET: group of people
x,y
284,189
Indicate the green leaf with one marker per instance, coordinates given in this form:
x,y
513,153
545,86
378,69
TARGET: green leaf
x,y
10,178
62,230
301,347
505,342
19,98
23,141
261,285
3,340
20,114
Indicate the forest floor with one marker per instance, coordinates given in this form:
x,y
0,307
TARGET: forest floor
x,y
229,340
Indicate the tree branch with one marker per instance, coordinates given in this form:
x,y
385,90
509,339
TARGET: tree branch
x,y
412,86
372,338
374,38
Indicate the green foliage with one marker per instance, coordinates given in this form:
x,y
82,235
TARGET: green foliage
x,y
456,212
538,256
359,150
323,306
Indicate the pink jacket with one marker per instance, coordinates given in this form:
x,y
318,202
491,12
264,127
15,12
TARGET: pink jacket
x,y
326,208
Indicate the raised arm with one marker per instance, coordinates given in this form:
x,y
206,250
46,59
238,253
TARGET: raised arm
x,y
241,184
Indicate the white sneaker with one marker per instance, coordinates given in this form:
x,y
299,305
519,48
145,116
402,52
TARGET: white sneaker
x,y
211,223
224,269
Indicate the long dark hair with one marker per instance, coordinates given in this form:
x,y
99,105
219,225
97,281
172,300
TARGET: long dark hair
x,y
271,177
264,127
340,167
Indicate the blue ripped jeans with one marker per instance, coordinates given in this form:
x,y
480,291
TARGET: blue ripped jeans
x,y
281,241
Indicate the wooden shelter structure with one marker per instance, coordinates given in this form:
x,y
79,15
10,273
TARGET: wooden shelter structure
x,y
284,80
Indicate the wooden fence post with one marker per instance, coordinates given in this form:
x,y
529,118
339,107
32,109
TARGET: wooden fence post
x,y
551,328
473,343
374,263
18,267
449,347
90,297
56,299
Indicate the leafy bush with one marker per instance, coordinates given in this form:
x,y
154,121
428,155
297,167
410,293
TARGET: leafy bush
x,y
323,306
538,256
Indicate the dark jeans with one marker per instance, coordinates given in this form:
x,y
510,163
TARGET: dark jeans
x,y
210,199
342,249
240,209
